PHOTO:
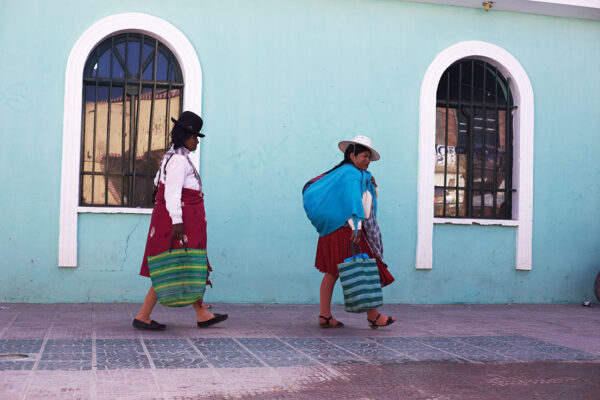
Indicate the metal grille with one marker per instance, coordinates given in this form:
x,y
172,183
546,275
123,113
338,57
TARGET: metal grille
x,y
473,144
132,85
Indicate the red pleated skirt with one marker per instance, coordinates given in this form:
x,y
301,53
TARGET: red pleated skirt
x,y
161,226
334,248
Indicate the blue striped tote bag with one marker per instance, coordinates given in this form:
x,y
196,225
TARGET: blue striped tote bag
x,y
179,276
359,277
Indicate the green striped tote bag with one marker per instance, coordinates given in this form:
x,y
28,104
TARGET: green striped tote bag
x,y
359,276
179,276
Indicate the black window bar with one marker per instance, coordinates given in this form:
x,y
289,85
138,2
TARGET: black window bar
x,y
473,163
132,85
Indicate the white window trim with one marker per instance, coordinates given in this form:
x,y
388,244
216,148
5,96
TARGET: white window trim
x,y
523,118
181,47
469,221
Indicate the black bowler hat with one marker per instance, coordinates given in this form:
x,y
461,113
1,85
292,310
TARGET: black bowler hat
x,y
190,122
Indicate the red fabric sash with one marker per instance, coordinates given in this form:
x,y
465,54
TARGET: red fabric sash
x,y
159,234
334,248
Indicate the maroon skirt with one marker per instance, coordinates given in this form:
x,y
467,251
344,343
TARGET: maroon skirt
x,y
334,248
161,226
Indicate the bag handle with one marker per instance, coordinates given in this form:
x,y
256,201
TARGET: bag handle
x,y
171,244
353,248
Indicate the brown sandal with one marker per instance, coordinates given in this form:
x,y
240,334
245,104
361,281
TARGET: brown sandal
x,y
373,323
326,324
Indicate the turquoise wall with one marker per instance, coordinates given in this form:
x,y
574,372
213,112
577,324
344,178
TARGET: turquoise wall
x,y
284,81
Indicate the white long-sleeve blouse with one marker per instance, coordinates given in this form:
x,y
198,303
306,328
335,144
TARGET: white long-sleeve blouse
x,y
179,174
367,200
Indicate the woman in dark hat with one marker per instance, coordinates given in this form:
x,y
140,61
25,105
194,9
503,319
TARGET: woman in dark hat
x,y
178,214
342,204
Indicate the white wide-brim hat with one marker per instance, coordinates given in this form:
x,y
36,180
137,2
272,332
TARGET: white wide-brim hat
x,y
363,141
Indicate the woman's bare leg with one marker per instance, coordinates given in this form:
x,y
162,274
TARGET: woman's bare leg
x,y
201,312
147,307
326,293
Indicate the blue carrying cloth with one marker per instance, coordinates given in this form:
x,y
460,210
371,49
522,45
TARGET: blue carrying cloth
x,y
333,199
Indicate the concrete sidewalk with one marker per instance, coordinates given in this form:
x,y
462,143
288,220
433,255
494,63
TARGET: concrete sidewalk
x,y
90,351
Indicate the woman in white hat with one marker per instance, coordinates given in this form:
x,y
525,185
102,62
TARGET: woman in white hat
x,y
342,204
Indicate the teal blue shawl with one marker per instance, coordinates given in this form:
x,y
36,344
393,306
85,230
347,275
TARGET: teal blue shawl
x,y
336,197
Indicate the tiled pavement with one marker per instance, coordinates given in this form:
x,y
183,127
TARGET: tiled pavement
x,y
81,351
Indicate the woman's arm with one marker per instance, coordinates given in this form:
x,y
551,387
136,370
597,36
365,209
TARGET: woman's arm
x,y
376,187
367,199
356,234
174,177
351,223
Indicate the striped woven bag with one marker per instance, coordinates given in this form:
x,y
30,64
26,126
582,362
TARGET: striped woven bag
x,y
359,277
179,276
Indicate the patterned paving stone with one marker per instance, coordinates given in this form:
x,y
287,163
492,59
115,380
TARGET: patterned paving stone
x,y
226,353
120,354
494,345
72,365
16,365
115,354
463,350
369,350
547,351
20,346
174,353
265,344
229,359
121,361
217,345
324,351
417,351
284,359
178,360
166,345
273,352
67,346
276,353
67,355
9,348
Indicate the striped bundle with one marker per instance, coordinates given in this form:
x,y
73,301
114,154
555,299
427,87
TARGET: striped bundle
x,y
313,180
179,276
360,282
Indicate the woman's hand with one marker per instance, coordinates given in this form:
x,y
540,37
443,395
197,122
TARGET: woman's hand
x,y
356,238
373,181
178,233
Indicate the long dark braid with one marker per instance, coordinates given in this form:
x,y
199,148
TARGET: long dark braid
x,y
352,148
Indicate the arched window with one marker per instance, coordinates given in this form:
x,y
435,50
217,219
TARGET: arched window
x,y
132,85
473,142
498,70
171,43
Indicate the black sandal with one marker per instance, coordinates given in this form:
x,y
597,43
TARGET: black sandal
x,y
373,323
326,324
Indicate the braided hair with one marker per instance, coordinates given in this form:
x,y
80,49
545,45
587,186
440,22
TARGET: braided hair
x,y
351,149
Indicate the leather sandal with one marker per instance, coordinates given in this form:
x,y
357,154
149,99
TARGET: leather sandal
x,y
326,324
373,323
